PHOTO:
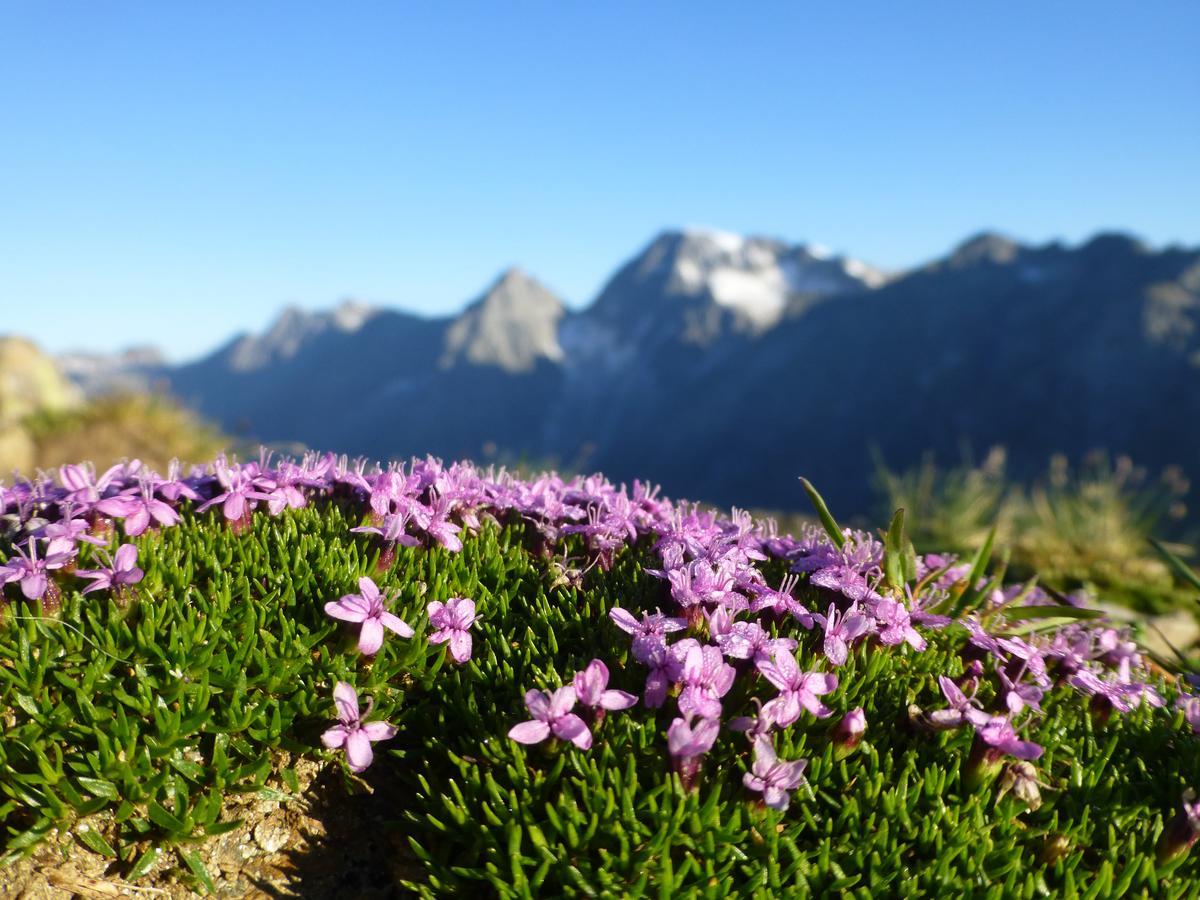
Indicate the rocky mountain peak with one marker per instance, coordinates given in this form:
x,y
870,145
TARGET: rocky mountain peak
x,y
985,247
512,325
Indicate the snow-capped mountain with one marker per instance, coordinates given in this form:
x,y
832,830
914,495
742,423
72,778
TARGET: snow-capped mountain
x,y
698,284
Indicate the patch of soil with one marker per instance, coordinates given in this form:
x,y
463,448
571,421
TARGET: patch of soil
x,y
324,842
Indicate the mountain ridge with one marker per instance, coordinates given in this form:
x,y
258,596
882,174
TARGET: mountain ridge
x,y
724,366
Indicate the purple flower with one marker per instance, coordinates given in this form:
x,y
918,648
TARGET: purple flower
x,y
796,689
30,571
1191,711
590,687
82,486
896,625
367,607
452,620
173,486
749,640
436,523
393,530
848,732
998,732
138,509
121,571
753,726
1109,694
841,630
659,661
1182,831
962,708
1018,695
647,633
780,601
68,529
706,677
773,778
351,732
687,742
552,715
242,491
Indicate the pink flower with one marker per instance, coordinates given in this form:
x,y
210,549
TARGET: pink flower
x,y
452,619
31,572
773,778
685,741
351,732
590,687
796,689
706,678
121,571
1191,711
841,631
368,608
139,508
552,715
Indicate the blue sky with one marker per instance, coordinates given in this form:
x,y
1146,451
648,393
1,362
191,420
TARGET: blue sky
x,y
173,173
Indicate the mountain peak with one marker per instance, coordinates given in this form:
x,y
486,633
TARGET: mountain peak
x,y
512,325
985,247
291,330
755,280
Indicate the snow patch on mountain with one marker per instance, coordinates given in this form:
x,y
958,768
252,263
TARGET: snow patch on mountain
x,y
755,277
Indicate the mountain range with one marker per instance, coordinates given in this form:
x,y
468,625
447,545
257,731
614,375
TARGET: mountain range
x,y
723,367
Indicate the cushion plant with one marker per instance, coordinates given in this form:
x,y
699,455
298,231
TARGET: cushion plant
x,y
581,689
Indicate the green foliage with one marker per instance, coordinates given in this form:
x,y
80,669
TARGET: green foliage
x,y
149,427
1091,528
156,712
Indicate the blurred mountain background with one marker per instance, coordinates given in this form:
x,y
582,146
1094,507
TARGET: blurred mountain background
x,y
723,367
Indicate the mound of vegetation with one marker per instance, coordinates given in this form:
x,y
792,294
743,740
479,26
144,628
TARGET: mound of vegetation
x,y
150,427
560,688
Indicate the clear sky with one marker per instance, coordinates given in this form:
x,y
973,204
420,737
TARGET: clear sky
x,y
175,172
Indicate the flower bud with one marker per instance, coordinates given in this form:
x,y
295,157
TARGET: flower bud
x,y
848,733
982,765
1182,831
1055,849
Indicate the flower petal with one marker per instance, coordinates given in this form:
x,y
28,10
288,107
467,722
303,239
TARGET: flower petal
x,y
138,521
348,609
460,646
538,704
345,698
368,589
335,737
358,750
571,728
125,557
370,639
562,702
531,732
623,619
396,624
617,700
379,731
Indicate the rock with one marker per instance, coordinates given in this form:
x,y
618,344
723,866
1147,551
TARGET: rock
x,y
271,834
